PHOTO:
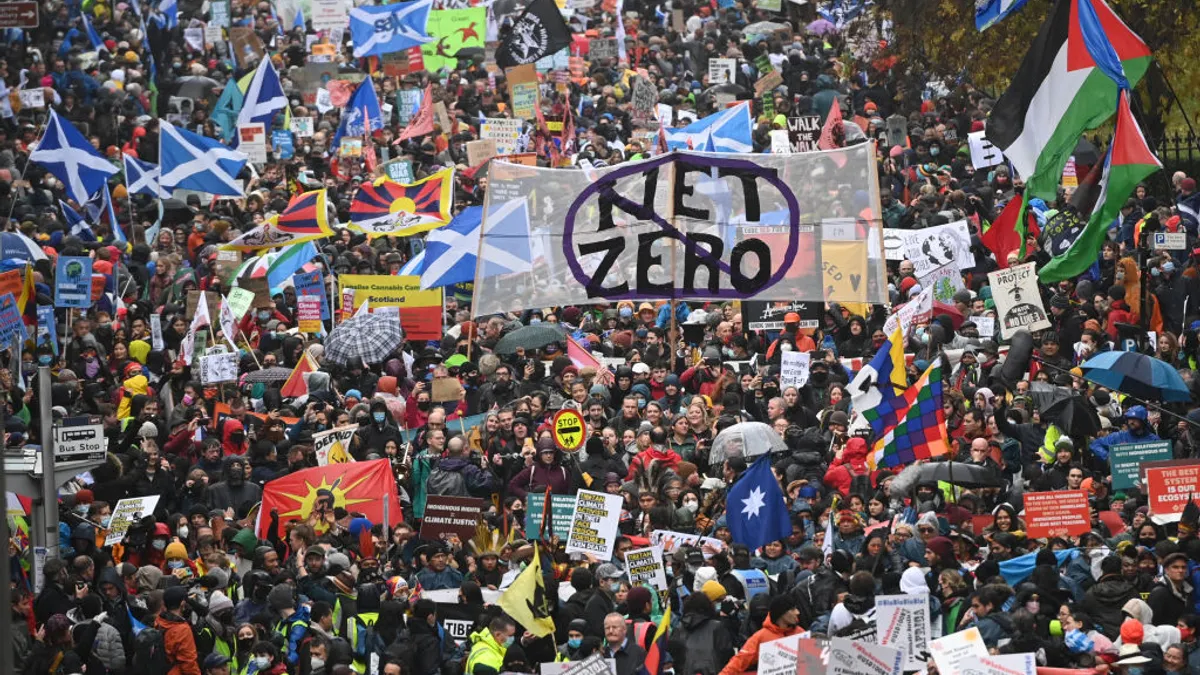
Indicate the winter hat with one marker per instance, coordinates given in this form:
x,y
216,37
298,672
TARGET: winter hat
x,y
174,595
280,597
218,601
84,496
780,605
703,576
714,590
638,597
175,551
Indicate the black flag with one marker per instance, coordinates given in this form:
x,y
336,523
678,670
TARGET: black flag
x,y
540,31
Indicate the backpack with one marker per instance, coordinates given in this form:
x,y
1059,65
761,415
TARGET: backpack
x,y
150,652
371,641
860,484
449,483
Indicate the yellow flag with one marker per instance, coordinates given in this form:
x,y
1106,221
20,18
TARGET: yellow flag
x,y
27,292
525,600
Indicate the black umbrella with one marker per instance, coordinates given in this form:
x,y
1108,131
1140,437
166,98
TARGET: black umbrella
x,y
530,338
176,211
266,375
727,88
1085,153
959,475
1074,415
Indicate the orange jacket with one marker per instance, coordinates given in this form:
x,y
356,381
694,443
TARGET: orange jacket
x,y
747,658
181,645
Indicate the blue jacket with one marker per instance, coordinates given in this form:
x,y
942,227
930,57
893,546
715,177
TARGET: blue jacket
x,y
1100,446
296,629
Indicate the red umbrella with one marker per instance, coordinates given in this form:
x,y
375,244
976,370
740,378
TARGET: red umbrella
x,y
956,317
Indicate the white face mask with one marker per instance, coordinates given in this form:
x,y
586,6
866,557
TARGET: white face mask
x,y
317,663
261,661
183,532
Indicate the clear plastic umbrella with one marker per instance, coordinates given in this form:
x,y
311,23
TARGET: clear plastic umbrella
x,y
745,439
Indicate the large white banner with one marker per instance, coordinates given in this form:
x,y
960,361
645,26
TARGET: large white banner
x,y
903,622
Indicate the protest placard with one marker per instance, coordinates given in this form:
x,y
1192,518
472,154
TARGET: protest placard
x,y
333,446
860,657
945,281
480,151
1125,459
562,511
781,144
933,247
1057,514
986,326
645,566
778,657
127,513
313,284
253,141
222,367
594,524
523,90
73,282
239,300
302,126
156,334
505,132
12,327
33,98
794,369
804,132
561,667
761,315
904,623
645,98
308,313
720,70
451,515
952,652
1018,301
1002,664
1170,488
603,48
592,665
983,153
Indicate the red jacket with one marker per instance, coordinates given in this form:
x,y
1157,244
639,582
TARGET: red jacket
x,y
747,657
666,458
179,643
853,462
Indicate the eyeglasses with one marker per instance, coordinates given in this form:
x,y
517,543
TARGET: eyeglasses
x,y
925,529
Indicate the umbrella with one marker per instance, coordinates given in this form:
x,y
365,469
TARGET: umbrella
x,y
942,308
1073,415
959,474
764,28
745,439
196,86
267,375
821,27
17,245
369,338
1085,153
1043,394
727,88
529,338
1137,375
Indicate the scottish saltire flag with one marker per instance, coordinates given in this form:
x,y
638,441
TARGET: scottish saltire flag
x,y
724,131
77,225
415,265
877,388
841,12
384,29
169,14
111,214
194,162
97,43
921,431
450,251
264,97
754,507
990,11
141,178
72,159
361,115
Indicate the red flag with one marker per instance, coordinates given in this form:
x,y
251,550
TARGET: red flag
x,y
422,124
1003,237
295,385
833,134
354,486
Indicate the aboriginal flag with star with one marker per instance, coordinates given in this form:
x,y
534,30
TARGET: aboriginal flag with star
x,y
310,495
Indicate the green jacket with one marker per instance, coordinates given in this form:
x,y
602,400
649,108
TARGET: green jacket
x,y
487,655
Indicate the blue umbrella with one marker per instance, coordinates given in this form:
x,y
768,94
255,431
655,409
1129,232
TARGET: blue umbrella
x,y
1137,375
17,245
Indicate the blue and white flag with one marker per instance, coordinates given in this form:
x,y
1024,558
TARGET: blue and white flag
x,y
362,114
97,43
990,11
509,246
168,17
194,162
77,225
841,12
754,507
141,178
72,159
450,251
298,20
415,265
724,131
111,214
264,97
384,29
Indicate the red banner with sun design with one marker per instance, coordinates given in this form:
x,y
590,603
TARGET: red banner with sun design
x,y
388,208
311,495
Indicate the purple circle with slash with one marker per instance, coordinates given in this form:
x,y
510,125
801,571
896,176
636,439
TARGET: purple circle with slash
x,y
604,188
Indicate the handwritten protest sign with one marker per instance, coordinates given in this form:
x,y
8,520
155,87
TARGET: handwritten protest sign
x,y
794,369
952,652
128,512
903,622
594,524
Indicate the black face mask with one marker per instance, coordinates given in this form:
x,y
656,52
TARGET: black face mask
x,y
1148,543
424,405
237,438
818,378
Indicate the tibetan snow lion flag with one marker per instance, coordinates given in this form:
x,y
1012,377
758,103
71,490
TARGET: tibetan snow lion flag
x,y
310,494
388,208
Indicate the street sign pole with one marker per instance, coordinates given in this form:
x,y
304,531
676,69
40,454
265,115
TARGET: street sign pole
x,y
49,531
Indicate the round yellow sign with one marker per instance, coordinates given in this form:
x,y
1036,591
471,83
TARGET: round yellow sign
x,y
568,430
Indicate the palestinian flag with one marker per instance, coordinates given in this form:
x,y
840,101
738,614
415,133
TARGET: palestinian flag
x,y
1128,162
1060,91
1007,234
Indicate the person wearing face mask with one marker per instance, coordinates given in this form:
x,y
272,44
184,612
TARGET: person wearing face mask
x,y
489,645
176,562
216,634
235,491
265,660
380,429
603,601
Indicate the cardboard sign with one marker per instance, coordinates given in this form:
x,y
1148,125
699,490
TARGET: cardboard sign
x,y
669,540
1057,514
602,48
126,514
1018,301
246,44
794,369
451,515
446,389
333,446
952,652
523,90
645,567
239,300
216,368
645,99
594,524
1170,488
721,71
983,153
253,141
562,511
851,657
193,299
986,326
1125,459
480,151
767,83
904,623
592,665
399,170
